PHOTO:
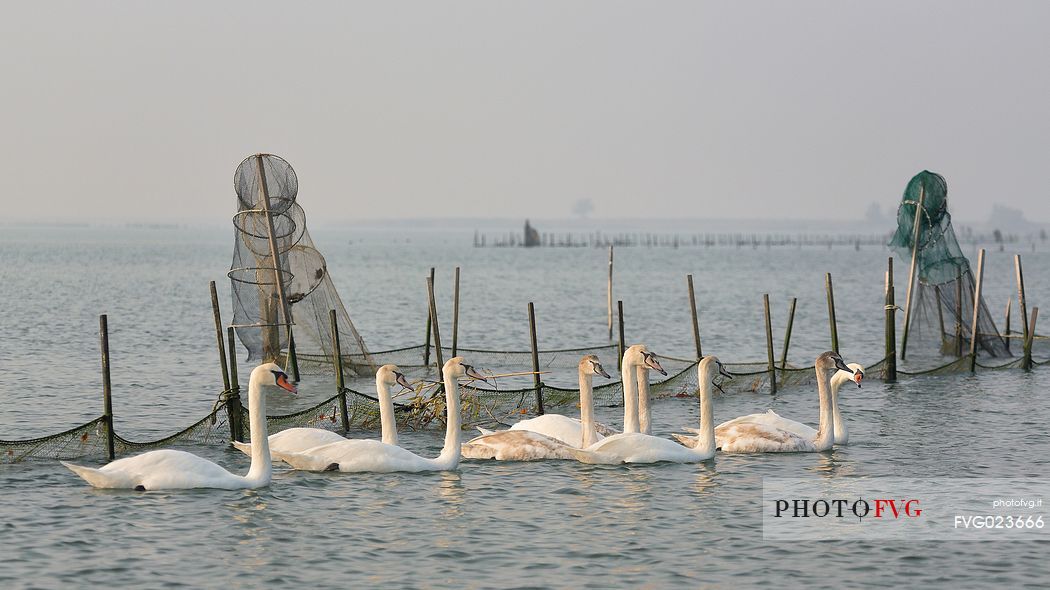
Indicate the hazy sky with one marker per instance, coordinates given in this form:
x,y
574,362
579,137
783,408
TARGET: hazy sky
x,y
142,110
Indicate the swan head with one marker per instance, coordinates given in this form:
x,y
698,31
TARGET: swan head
x,y
389,375
831,361
273,374
712,367
589,365
457,367
842,377
639,356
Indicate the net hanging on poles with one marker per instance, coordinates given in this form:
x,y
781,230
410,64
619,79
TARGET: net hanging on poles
x,y
307,287
942,303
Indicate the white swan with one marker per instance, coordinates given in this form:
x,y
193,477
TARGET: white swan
x,y
294,440
752,437
550,436
376,456
637,447
579,433
634,373
168,469
772,419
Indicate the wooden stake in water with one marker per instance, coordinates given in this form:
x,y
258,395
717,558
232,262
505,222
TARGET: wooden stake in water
x,y
958,312
455,314
107,386
769,345
610,298
974,336
219,336
430,319
434,324
233,400
1022,304
696,321
831,312
535,361
1027,363
1006,324
940,316
337,362
264,197
891,326
919,211
787,333
619,311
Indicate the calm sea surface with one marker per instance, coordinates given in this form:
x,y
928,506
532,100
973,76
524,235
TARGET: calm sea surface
x,y
486,525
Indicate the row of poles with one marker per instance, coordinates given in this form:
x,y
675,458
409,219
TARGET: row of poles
x,y
226,344
739,240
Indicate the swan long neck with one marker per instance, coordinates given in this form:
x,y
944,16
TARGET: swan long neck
x,y
386,412
587,409
825,430
705,440
450,453
841,435
645,415
630,397
261,468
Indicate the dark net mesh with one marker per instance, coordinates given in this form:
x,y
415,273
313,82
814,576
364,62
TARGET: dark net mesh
x,y
942,302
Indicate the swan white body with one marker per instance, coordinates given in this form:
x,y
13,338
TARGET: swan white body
x,y
168,469
638,447
297,440
579,433
550,436
764,436
775,421
376,456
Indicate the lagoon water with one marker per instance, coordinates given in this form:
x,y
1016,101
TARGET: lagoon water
x,y
486,525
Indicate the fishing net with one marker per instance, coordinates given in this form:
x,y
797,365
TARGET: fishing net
x,y
943,299
481,405
300,273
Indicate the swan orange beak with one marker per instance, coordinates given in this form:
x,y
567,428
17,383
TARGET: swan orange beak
x,y
282,382
858,377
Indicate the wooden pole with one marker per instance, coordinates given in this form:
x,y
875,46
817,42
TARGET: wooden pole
x,y
831,312
535,361
958,312
430,316
1022,304
787,333
769,345
1027,363
1006,324
940,315
264,194
455,314
233,400
911,271
696,321
610,293
619,311
891,326
107,385
219,336
976,310
434,324
337,362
